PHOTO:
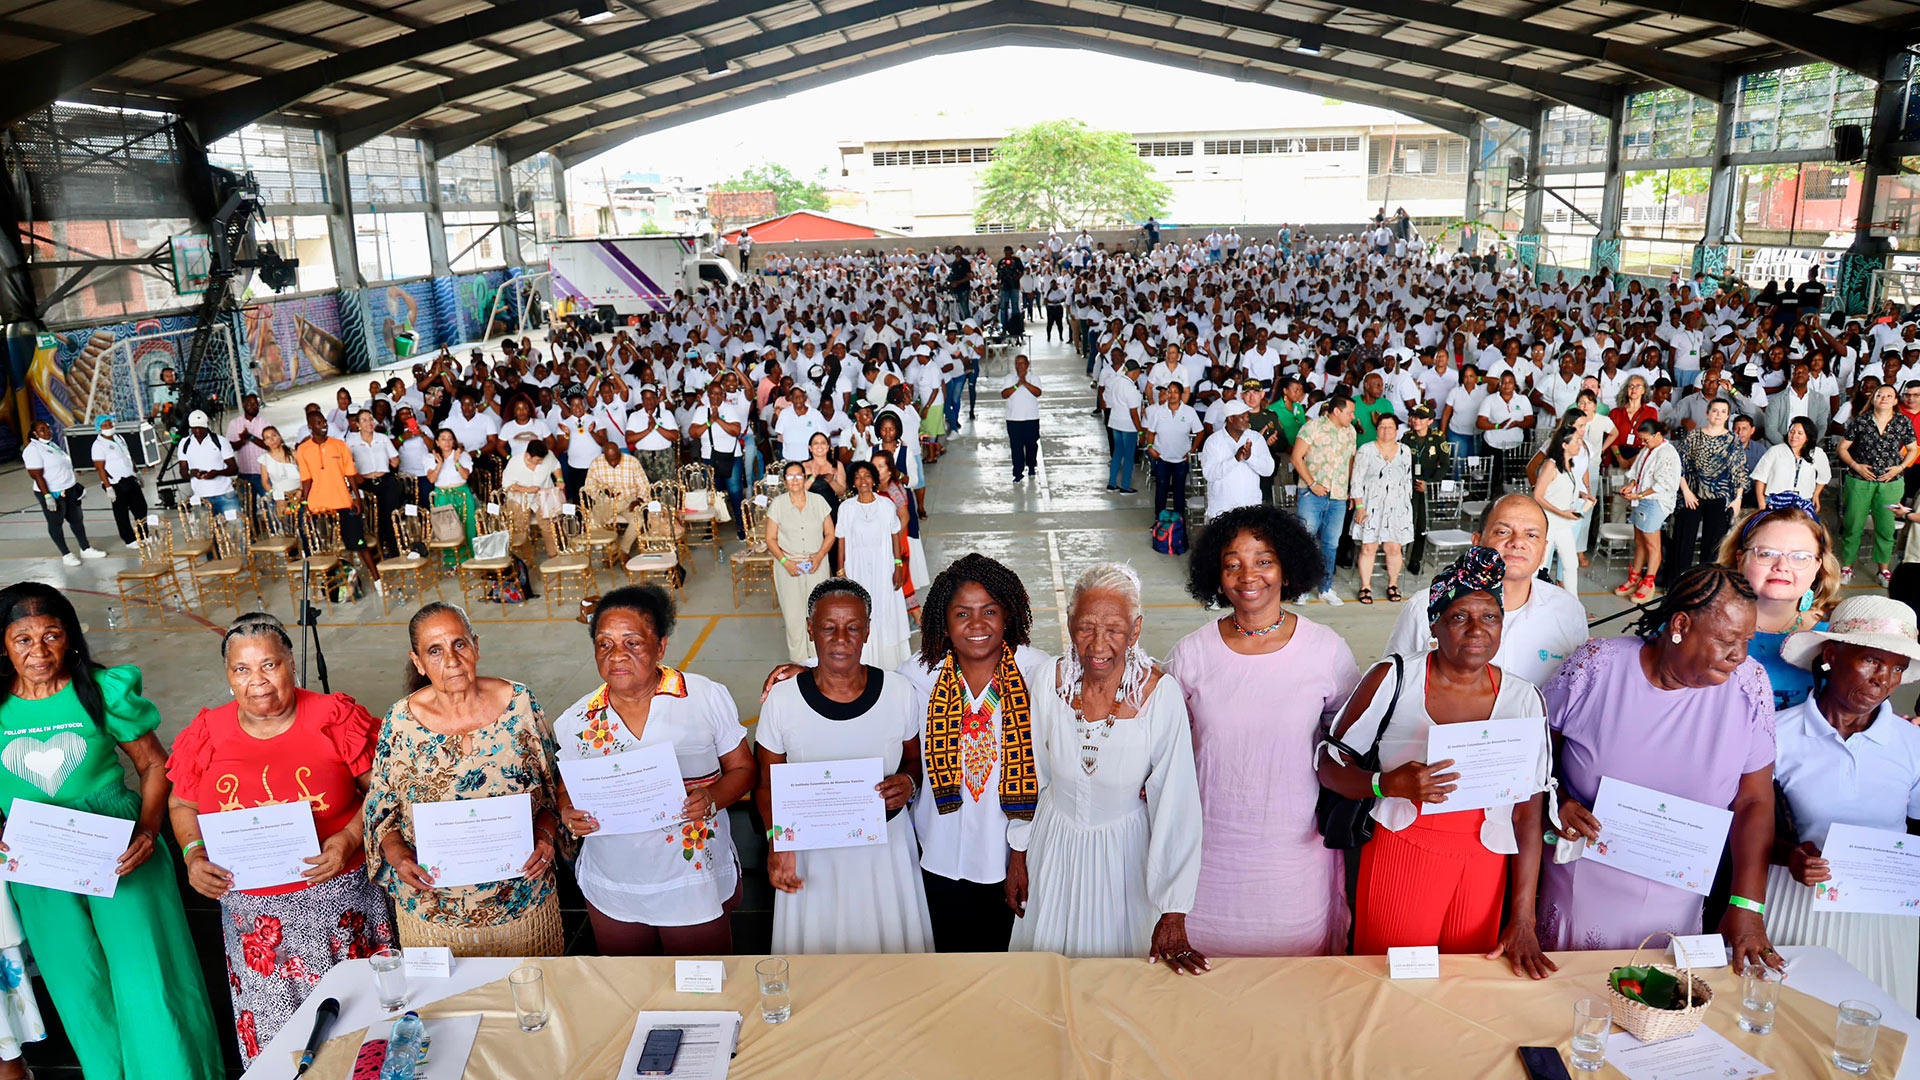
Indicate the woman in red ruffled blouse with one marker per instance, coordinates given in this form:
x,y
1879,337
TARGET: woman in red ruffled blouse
x,y
274,744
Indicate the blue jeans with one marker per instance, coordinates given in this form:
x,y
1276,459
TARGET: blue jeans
x,y
1685,377
1120,468
1323,517
223,503
951,400
1464,447
1009,307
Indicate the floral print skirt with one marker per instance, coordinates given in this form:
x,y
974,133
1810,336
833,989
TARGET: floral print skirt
x,y
278,947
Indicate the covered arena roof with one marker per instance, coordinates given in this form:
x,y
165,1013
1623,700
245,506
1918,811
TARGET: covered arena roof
x,y
534,75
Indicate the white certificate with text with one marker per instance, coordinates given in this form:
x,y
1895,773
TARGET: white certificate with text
x,y
1498,761
470,841
637,791
264,846
1874,872
1658,836
828,804
69,850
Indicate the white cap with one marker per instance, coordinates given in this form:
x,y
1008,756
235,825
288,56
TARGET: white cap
x,y
1235,408
197,418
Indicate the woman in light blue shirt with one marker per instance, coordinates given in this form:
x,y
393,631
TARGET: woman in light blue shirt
x,y
1844,756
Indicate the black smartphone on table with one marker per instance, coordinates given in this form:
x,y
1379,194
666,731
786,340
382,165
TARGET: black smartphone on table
x,y
659,1052
1543,1063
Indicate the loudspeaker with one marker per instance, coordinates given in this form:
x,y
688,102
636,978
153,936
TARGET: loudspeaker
x,y
1849,143
1517,169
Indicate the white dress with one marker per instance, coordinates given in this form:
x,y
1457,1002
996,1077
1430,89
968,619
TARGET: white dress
x,y
869,529
1102,864
852,900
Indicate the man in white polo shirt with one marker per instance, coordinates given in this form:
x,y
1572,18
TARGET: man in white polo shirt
x,y
1022,397
208,461
1542,625
114,463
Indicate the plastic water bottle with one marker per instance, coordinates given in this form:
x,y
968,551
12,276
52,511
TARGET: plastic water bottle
x,y
114,622
404,1048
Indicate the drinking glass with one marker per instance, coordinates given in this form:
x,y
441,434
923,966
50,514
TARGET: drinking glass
x,y
1853,1036
1592,1021
776,1004
1758,995
529,986
389,977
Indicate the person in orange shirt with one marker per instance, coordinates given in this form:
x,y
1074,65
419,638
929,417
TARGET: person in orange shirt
x,y
325,469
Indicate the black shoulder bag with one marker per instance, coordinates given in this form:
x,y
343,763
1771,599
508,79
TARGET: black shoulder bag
x,y
1347,823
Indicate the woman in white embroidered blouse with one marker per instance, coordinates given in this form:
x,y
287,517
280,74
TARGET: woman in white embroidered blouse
x,y
1111,860
670,890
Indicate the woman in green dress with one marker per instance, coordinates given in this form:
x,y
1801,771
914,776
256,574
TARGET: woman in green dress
x,y
121,969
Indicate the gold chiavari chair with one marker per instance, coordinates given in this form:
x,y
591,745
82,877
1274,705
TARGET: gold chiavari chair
x,y
325,565
407,576
486,575
701,507
155,579
568,573
275,546
230,577
752,565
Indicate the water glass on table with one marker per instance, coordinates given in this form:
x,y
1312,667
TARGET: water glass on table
x,y
1759,994
776,1004
529,986
389,977
1592,1022
1854,1034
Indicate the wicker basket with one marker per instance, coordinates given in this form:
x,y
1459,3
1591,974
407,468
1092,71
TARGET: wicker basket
x,y
1648,1024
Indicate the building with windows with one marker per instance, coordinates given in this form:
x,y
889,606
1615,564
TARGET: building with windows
x,y
1339,165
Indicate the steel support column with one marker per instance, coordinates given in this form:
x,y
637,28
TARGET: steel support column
x,y
1606,243
1710,255
1536,199
340,228
562,219
437,264
509,216
1869,252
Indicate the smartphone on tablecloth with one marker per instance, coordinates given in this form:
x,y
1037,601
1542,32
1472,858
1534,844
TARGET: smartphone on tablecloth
x,y
659,1052
1543,1063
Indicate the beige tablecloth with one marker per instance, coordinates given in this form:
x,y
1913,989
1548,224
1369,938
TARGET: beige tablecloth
x,y
1040,1015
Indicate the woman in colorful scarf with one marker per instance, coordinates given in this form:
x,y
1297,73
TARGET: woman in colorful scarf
x,y
973,680
275,743
669,890
1109,862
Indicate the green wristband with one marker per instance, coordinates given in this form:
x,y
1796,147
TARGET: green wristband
x,y
1377,793
1754,906
191,844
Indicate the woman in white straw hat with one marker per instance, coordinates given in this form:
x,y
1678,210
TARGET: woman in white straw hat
x,y
1844,757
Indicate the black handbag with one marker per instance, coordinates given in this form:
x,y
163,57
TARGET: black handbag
x,y
1348,823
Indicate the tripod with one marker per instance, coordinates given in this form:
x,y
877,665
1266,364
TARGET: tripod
x,y
310,628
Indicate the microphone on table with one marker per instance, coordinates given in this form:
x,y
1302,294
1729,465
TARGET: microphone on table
x,y
323,1018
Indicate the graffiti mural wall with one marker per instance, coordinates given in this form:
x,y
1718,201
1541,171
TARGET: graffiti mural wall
x,y
295,342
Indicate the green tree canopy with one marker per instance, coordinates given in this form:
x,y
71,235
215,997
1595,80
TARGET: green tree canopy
x,y
794,193
1063,174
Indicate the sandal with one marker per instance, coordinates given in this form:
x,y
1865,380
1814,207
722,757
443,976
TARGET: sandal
x,y
1393,594
1366,596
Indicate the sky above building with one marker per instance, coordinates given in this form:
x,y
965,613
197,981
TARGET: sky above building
x,y
972,94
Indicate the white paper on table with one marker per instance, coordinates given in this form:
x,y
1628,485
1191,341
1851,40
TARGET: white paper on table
x,y
1413,962
427,961
699,976
69,850
828,804
1700,950
1874,872
1498,761
638,791
707,1043
449,1044
470,841
264,846
1704,1055
1657,836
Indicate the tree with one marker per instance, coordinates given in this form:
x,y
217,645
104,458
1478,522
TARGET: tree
x,y
1063,174
794,193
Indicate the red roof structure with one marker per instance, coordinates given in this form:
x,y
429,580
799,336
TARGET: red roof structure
x,y
806,227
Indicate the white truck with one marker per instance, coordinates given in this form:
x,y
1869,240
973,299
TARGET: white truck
x,y
632,275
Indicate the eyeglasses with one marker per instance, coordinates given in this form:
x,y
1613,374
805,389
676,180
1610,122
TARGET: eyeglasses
x,y
1797,558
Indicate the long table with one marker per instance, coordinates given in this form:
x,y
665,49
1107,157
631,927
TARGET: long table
x,y
1021,1015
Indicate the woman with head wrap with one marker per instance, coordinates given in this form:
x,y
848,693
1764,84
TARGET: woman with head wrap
x,y
1430,877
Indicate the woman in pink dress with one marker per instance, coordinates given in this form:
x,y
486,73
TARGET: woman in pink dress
x,y
1262,684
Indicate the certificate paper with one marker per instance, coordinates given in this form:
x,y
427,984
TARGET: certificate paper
x,y
1704,1055
470,841
262,847
637,791
828,804
1875,872
69,850
1657,836
1498,761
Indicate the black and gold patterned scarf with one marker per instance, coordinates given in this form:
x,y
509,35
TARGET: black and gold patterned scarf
x,y
946,711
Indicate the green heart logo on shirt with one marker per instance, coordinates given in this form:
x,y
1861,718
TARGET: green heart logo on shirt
x,y
46,765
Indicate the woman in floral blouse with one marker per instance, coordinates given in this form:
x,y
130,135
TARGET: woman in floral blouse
x,y
670,889
1878,447
458,735
1713,474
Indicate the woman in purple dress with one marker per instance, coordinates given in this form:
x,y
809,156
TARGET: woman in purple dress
x,y
1261,685
1681,709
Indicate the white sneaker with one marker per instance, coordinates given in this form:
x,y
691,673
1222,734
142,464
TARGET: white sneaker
x,y
92,553
70,559
379,590
133,547
1330,597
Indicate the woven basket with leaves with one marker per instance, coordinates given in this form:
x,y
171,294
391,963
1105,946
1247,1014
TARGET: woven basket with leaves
x,y
1688,994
